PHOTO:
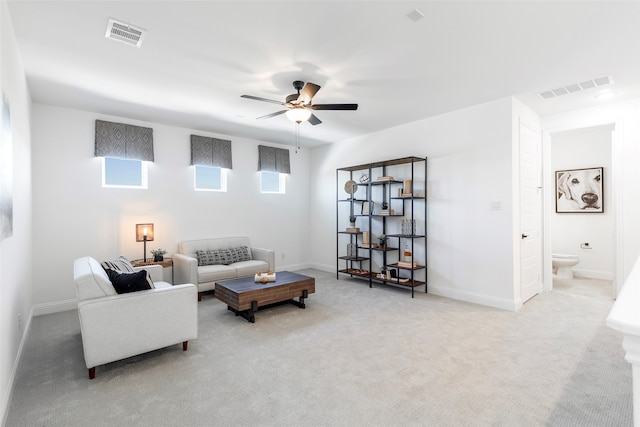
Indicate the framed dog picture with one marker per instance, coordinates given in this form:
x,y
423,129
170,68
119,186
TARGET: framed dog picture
x,y
580,190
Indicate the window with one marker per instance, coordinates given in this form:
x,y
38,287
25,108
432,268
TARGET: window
x,y
209,178
273,164
272,182
124,173
125,150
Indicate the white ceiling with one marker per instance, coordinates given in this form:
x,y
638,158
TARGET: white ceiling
x,y
200,56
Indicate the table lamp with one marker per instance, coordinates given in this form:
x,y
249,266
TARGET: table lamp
x,y
144,233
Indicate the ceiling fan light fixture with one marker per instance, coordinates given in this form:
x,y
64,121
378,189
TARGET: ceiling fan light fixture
x,y
298,115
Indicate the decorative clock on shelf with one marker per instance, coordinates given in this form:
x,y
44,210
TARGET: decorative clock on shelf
x,y
350,186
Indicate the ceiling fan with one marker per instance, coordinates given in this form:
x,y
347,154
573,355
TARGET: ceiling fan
x,y
299,104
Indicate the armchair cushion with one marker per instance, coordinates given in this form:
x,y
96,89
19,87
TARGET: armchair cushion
x,y
129,282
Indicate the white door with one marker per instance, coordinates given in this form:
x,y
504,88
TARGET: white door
x,y
530,211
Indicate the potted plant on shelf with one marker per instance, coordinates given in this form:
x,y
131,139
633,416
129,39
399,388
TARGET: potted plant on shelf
x,y
352,220
158,254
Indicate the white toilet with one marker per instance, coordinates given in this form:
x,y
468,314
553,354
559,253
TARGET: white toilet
x,y
562,265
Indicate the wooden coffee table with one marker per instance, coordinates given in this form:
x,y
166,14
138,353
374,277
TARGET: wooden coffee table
x,y
244,296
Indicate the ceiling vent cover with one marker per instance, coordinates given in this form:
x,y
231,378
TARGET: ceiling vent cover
x,y
576,87
125,33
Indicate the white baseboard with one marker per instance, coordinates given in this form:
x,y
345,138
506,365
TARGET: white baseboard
x,y
294,267
54,307
4,410
593,274
501,303
322,267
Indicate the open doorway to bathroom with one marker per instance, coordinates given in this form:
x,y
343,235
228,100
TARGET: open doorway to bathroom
x,y
585,235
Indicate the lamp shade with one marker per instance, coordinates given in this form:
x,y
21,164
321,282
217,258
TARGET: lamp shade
x,y
143,230
298,114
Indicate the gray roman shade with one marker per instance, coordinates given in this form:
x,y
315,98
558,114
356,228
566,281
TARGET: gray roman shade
x,y
213,152
273,159
123,141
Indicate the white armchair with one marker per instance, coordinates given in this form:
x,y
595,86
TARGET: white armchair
x,y
116,326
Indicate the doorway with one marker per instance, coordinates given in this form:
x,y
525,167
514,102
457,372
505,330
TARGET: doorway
x,y
593,237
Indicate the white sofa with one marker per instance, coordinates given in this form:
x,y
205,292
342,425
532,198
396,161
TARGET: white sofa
x,y
116,326
187,270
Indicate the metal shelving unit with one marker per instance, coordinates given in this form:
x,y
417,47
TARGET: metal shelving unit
x,y
363,204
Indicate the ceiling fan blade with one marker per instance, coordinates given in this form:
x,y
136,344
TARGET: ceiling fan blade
x,y
334,106
257,98
314,120
308,92
277,113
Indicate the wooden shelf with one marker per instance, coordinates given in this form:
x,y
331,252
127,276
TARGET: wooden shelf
x,y
409,284
353,258
354,272
387,181
387,249
400,161
417,267
374,279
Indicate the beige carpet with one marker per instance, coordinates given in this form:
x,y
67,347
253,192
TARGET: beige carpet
x,y
354,357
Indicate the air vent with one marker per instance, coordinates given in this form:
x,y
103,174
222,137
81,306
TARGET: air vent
x,y
576,87
125,33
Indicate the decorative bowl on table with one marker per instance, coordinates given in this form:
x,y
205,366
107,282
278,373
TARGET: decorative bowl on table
x,y
261,277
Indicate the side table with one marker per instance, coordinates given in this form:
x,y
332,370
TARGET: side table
x,y
165,263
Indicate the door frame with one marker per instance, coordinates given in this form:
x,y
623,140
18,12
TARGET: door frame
x,y
548,204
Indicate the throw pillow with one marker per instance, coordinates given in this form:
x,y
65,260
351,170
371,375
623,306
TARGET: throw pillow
x,y
223,256
207,257
128,282
243,253
120,264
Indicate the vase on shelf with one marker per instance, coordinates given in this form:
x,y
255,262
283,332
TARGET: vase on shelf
x,y
408,227
407,255
158,258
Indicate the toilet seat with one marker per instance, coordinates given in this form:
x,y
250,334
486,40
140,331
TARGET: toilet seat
x,y
564,256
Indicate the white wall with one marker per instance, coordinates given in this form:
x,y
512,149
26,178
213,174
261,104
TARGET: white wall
x,y
470,249
74,216
585,148
16,262
625,171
